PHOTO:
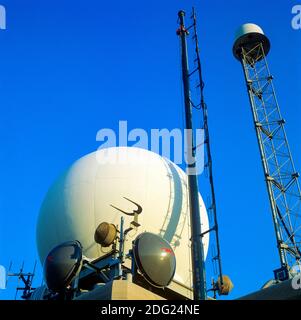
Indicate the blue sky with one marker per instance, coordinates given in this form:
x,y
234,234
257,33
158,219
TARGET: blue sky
x,y
70,68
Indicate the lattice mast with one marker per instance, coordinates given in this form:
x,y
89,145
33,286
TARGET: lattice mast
x,y
203,107
251,48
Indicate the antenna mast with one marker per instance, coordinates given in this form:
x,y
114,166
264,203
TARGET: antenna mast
x,y
203,107
26,278
251,48
197,250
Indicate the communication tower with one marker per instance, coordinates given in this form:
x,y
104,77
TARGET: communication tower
x,y
251,48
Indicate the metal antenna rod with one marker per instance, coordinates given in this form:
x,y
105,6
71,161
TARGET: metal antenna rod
x,y
207,145
26,278
197,250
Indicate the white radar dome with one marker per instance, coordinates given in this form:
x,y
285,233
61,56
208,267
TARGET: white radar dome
x,y
112,183
247,37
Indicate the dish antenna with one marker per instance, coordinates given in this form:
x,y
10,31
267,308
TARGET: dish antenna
x,y
62,265
105,234
155,259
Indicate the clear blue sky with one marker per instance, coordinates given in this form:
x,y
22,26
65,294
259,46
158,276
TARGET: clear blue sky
x,y
69,68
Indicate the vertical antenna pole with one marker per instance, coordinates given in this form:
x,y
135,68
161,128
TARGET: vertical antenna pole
x,y
197,251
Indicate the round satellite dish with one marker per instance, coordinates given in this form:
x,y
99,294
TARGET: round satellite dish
x,y
105,234
155,259
62,265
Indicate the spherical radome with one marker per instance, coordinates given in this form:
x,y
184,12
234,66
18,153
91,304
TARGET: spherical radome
x,y
93,189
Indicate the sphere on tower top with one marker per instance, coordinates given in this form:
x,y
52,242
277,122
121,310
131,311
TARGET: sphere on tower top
x,y
247,37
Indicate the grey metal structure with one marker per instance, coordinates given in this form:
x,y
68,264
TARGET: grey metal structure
x,y
283,290
251,48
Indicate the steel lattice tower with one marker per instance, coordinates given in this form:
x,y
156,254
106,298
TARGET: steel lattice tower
x,y
251,49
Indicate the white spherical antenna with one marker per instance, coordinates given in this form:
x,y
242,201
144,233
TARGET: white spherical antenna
x,y
113,183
